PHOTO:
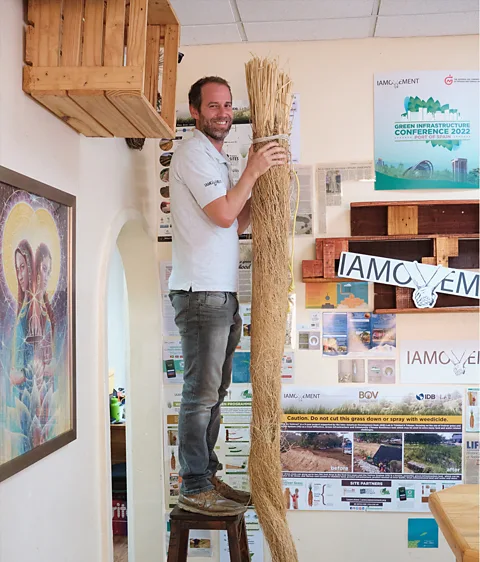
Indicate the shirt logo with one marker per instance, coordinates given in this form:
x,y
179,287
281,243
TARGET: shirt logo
x,y
213,183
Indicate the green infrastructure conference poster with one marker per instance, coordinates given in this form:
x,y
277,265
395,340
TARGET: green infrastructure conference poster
x,y
427,130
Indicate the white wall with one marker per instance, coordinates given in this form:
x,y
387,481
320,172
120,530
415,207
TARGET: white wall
x,y
118,333
56,510
335,82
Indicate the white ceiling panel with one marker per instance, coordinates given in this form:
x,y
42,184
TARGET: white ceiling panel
x,y
427,25
283,10
203,12
405,7
316,30
210,34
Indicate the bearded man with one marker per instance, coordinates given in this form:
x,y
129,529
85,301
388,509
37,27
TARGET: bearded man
x,y
208,213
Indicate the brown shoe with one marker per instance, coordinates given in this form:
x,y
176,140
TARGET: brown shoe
x,y
210,503
238,496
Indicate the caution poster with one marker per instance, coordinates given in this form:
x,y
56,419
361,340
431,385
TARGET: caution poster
x,y
369,448
426,130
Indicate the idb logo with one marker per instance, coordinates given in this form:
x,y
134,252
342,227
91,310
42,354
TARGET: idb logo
x,y
449,80
368,395
423,396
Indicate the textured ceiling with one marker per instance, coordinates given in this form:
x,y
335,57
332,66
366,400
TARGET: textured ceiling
x,y
233,21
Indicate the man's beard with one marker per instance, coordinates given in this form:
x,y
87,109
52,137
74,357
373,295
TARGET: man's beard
x,y
209,128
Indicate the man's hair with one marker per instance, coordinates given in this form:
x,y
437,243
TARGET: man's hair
x,y
195,93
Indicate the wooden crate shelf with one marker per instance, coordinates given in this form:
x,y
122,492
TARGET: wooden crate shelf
x,y
458,251
388,218
95,64
432,232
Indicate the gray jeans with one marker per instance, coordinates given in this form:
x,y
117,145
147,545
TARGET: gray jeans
x,y
210,328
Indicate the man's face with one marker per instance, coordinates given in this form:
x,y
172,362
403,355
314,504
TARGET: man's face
x,y
215,116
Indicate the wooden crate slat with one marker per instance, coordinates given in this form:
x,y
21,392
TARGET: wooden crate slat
x,y
329,258
92,52
138,111
426,202
113,50
403,220
426,310
169,76
32,32
319,249
72,33
42,27
403,297
160,11
444,248
82,78
154,35
72,114
433,217
137,33
312,269
101,109
31,45
54,29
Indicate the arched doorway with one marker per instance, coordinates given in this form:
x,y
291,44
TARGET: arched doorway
x,y
144,433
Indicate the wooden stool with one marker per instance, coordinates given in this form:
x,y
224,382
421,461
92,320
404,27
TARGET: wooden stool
x,y
182,521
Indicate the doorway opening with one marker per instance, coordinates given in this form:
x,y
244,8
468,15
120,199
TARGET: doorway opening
x,y
131,369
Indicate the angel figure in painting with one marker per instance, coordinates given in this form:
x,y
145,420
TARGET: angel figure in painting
x,y
44,346
21,372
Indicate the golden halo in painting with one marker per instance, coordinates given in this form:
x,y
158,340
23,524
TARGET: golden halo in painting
x,y
23,223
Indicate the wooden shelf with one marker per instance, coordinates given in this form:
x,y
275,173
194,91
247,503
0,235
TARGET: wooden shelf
x,y
414,218
95,64
404,230
425,310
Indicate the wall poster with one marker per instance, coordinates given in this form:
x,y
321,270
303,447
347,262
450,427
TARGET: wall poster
x,y
427,130
369,448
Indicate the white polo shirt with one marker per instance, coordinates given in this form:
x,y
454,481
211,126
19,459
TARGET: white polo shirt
x,y
205,256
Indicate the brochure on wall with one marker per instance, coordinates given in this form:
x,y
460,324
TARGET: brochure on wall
x,y
309,339
165,272
200,544
439,362
241,367
427,130
245,281
331,176
472,458
346,296
422,533
302,194
164,153
472,423
358,333
373,371
254,537
172,362
168,315
381,449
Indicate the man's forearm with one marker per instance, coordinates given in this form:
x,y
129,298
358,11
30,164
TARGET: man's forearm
x,y
237,197
244,217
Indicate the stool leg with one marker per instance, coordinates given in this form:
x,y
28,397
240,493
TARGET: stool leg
x,y
234,541
244,552
178,545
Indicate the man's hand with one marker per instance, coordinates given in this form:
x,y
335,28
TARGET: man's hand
x,y
225,210
259,162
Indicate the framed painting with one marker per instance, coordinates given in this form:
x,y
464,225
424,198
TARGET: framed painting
x,y
37,321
